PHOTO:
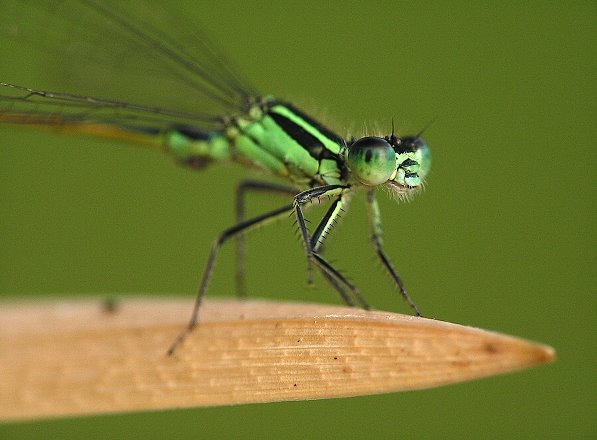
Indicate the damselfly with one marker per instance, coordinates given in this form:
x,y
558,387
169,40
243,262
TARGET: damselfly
x,y
258,131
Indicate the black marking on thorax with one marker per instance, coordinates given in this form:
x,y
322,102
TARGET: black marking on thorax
x,y
312,144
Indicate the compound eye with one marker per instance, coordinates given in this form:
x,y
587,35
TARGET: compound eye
x,y
372,160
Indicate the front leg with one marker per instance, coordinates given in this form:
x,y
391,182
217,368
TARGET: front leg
x,y
376,238
299,200
313,244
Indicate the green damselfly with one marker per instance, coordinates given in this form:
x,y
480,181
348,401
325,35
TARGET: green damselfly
x,y
244,127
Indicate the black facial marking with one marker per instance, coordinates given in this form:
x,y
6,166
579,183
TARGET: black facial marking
x,y
407,144
408,163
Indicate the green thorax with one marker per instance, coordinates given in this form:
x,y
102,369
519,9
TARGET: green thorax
x,y
273,136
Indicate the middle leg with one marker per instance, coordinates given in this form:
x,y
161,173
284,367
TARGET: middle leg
x,y
245,187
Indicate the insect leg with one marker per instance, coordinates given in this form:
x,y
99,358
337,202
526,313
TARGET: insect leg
x,y
211,260
313,244
376,239
241,191
331,274
301,199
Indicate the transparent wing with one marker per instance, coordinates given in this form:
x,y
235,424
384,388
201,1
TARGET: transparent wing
x,y
23,105
126,62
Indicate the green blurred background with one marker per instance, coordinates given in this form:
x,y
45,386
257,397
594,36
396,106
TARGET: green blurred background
x,y
503,238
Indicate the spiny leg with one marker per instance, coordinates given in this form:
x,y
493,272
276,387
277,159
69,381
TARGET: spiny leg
x,y
211,260
241,192
340,289
323,229
313,244
299,200
376,238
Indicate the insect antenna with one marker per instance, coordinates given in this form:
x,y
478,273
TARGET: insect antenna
x,y
425,127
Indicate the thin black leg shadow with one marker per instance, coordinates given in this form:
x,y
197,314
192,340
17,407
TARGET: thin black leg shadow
x,y
245,187
224,236
376,239
313,244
